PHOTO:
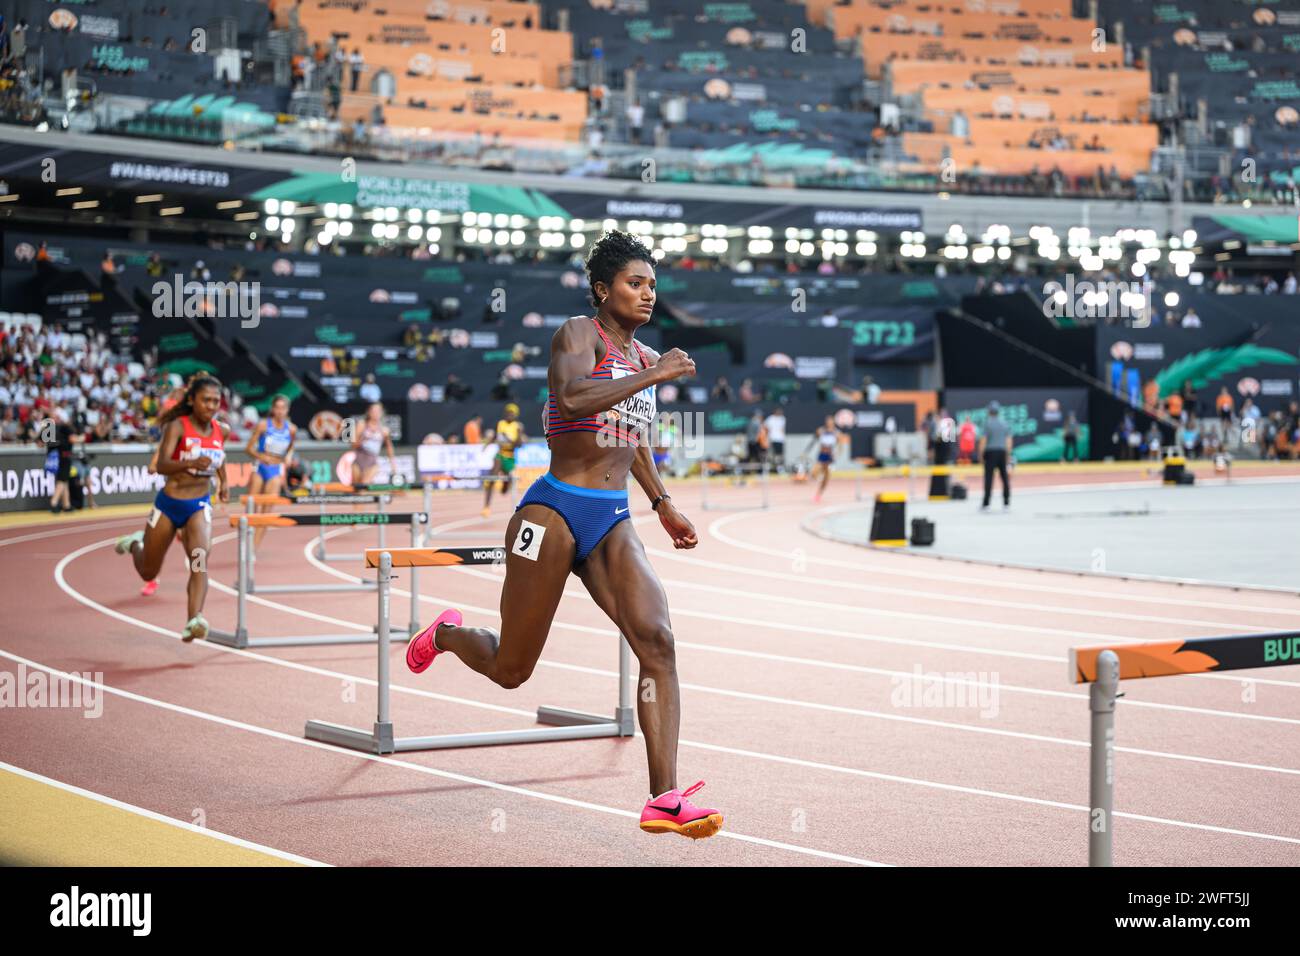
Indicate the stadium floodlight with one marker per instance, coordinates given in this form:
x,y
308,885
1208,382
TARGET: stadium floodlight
x,y
791,232
431,216
1171,300
517,237
982,254
324,239
378,230
415,233
483,219
288,225
433,233
331,209
414,215
433,248
469,219
501,220
345,229
792,245
657,253
577,240
272,223
1138,269
469,234
517,221
865,248
330,227
609,225
807,249
577,225
1189,237
287,207
272,207
841,235
345,210
500,237
1004,252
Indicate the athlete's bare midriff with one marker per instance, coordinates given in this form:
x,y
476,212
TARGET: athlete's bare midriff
x,y
579,459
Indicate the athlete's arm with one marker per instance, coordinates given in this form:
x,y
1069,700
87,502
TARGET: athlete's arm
x,y
251,447
223,485
293,437
675,523
167,466
573,358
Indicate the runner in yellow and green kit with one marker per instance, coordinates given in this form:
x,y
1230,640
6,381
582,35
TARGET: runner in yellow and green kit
x,y
508,434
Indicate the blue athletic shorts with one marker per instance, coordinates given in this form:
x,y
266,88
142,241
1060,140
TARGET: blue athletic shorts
x,y
180,510
589,512
269,471
824,458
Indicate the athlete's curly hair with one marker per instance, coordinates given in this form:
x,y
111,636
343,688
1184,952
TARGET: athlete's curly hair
x,y
609,254
197,383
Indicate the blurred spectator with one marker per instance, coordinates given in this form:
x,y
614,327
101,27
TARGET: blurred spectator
x,y
722,391
456,390
370,391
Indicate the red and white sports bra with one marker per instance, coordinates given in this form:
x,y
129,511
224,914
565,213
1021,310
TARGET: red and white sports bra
x,y
194,445
628,419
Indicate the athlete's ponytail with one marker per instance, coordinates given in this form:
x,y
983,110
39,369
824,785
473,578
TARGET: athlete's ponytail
x,y
198,381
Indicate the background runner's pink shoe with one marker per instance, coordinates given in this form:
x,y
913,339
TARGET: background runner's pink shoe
x,y
150,588
421,651
673,813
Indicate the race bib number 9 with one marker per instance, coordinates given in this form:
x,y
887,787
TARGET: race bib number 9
x,y
528,542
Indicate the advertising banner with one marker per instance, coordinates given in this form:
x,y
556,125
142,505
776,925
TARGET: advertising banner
x,y
1036,416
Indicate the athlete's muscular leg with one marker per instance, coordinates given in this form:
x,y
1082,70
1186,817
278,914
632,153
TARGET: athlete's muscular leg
x,y
529,597
196,536
624,585
148,554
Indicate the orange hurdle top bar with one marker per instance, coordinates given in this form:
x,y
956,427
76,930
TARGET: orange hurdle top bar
x,y
1193,656
437,557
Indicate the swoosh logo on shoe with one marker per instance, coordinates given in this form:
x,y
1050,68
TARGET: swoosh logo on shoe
x,y
619,511
674,811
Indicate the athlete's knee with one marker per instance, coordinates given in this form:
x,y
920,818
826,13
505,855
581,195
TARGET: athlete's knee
x,y
511,677
656,648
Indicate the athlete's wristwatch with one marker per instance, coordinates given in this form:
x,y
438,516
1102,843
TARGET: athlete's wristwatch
x,y
654,505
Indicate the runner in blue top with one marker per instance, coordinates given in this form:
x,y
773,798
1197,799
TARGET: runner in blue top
x,y
271,446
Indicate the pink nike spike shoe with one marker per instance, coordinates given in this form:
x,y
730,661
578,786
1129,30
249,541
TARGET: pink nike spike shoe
x,y
673,813
421,651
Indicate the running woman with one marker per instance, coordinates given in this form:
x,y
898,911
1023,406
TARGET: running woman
x,y
190,454
509,434
825,438
372,439
270,445
573,518
150,587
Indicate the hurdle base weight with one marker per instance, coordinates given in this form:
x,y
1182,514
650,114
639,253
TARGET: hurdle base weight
x,y
565,725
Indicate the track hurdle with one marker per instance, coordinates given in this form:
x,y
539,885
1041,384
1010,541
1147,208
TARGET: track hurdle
x,y
239,637
738,470
564,724
1104,667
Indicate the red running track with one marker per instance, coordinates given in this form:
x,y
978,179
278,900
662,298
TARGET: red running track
x,y
796,655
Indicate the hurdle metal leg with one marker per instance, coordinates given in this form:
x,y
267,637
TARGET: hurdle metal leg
x,y
1101,777
240,638
564,724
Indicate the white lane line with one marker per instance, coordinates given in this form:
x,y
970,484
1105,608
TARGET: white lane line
x,y
885,672
884,568
418,768
158,817
687,743
794,555
88,527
